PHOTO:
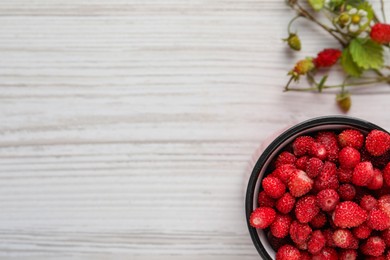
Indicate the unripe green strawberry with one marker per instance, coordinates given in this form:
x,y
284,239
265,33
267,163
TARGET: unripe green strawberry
x,y
344,101
294,42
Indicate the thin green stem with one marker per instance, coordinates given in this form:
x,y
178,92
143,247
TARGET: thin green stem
x,y
383,10
290,23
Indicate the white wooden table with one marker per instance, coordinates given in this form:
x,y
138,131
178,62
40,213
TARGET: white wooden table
x,y
127,125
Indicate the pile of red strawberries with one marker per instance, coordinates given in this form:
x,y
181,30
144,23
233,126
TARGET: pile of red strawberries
x,y
328,197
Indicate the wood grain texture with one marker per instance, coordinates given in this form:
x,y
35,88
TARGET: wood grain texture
x,y
127,126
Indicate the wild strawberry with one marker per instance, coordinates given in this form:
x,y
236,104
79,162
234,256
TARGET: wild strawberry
x,y
377,181
385,235
377,142
374,246
265,200
384,204
351,137
368,202
326,253
328,199
318,221
299,183
329,140
285,158
274,187
342,238
301,68
288,252
327,58
302,144
286,203
362,174
316,242
299,232
306,208
281,226
378,220
348,214
386,174
344,175
362,232
327,179
314,167
349,157
348,254
318,150
301,163
262,217
302,246
284,172
294,42
380,33
328,234
347,192
354,244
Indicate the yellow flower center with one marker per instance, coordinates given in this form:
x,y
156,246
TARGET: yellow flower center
x,y
355,19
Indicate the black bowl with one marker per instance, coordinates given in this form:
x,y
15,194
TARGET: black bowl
x,y
259,237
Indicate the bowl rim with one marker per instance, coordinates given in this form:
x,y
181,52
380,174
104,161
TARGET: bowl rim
x,y
296,129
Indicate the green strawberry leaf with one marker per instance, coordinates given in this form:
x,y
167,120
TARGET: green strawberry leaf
x,y
366,53
317,4
349,66
354,3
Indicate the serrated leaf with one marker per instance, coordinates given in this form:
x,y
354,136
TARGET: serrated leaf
x,y
349,66
366,53
317,4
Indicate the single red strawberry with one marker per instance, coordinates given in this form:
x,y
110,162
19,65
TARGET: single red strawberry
x,y
288,252
327,179
344,175
326,253
318,150
328,199
284,172
342,238
299,183
354,244
262,217
362,232
316,242
349,157
348,214
351,137
265,200
285,158
374,246
380,33
362,174
299,232
318,221
386,174
368,202
384,204
385,235
306,208
281,226
329,140
314,167
274,187
377,181
301,162
327,58
377,142
347,192
378,220
286,203
302,144
348,254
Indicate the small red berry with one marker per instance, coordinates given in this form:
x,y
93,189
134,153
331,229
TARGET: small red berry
x,y
348,214
274,187
329,140
306,209
378,220
362,174
301,163
351,137
318,150
326,253
380,33
299,183
327,179
385,235
281,226
386,174
285,158
348,254
328,199
284,172
347,192
349,157
265,200
327,58
374,246
318,221
362,232
377,142
288,252
262,217
316,242
384,204
344,175
368,202
302,145
314,167
342,238
377,181
299,232
286,203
